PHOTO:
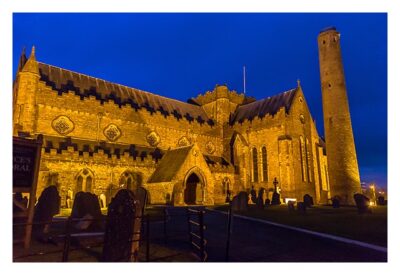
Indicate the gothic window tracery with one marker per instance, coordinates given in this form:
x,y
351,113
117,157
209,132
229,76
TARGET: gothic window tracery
x,y
129,180
84,181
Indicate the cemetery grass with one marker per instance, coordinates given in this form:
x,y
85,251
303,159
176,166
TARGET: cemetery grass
x,y
343,222
155,213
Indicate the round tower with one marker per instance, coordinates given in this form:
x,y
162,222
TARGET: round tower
x,y
344,177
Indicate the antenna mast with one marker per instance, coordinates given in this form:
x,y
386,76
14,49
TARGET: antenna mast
x,y
244,79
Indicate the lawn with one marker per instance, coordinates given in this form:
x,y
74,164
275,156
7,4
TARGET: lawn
x,y
344,221
155,213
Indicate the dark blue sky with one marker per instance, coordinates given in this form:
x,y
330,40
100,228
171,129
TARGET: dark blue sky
x,y
182,55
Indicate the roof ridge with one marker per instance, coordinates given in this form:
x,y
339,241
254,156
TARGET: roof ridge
x,y
118,84
265,98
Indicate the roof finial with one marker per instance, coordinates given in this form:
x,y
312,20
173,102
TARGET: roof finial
x,y
31,65
32,56
298,83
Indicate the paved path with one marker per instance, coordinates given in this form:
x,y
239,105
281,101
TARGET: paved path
x,y
252,241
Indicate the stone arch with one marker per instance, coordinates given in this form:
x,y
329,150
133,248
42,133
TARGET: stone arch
x,y
194,186
84,181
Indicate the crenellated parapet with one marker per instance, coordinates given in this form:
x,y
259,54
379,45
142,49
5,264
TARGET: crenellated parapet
x,y
222,91
86,152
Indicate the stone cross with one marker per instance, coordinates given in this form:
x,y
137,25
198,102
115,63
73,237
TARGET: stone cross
x,y
275,184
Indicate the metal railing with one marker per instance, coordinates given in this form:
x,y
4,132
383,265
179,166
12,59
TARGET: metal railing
x,y
68,233
199,234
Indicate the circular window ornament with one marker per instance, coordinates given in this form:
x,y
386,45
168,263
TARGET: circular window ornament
x,y
63,125
112,132
210,147
153,138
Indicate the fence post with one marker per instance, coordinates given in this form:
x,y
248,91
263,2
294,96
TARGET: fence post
x,y
228,239
147,238
67,240
165,224
201,223
189,227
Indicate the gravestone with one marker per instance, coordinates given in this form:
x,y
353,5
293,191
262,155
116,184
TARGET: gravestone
x,y
362,203
235,203
253,194
260,198
240,202
276,199
20,203
86,206
290,205
103,200
381,200
47,206
119,232
260,203
141,196
301,207
249,200
308,200
335,202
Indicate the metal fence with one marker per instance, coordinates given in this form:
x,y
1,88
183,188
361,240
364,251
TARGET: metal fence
x,y
196,227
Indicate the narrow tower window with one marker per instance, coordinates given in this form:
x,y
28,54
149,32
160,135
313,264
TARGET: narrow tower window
x,y
255,165
264,164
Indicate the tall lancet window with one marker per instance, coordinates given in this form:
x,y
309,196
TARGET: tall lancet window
x,y
308,161
264,164
255,165
303,159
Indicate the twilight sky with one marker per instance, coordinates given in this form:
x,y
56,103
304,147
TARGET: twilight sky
x,y
182,55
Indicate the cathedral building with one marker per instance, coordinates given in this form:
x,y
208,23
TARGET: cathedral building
x,y
99,137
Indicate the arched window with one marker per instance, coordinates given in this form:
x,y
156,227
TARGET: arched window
x,y
226,188
264,164
129,180
84,181
255,165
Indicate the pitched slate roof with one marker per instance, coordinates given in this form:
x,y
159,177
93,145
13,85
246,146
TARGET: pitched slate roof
x,y
63,80
261,108
170,164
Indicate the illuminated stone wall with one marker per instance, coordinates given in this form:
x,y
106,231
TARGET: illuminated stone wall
x,y
293,148
344,177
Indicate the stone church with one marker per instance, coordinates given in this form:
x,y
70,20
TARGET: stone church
x,y
99,137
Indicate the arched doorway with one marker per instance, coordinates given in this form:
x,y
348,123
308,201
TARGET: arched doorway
x,y
193,193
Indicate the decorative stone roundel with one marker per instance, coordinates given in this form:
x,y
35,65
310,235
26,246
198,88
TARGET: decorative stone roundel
x,y
210,147
153,138
183,141
112,132
63,125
